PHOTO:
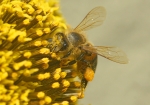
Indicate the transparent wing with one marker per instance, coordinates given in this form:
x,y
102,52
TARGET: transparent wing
x,y
111,53
94,18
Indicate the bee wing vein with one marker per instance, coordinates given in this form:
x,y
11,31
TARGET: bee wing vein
x,y
111,53
94,18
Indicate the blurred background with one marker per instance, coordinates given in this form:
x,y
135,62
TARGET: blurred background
x,y
127,26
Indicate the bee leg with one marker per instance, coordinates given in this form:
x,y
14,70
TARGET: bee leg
x,y
83,86
84,83
78,59
69,53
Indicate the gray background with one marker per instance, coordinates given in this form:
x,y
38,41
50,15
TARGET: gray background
x,y
127,26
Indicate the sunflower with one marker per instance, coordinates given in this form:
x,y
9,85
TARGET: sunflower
x,y
30,71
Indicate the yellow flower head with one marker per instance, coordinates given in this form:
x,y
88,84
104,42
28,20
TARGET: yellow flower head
x,y
30,72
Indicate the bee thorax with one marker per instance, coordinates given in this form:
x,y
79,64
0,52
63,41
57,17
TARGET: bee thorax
x,y
76,39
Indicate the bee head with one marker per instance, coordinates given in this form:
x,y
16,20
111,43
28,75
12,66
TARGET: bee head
x,y
76,39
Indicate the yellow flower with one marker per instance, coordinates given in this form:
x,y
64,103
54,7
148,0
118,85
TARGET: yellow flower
x,y
30,72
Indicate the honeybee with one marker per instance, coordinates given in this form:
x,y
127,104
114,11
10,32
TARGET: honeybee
x,y
76,48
